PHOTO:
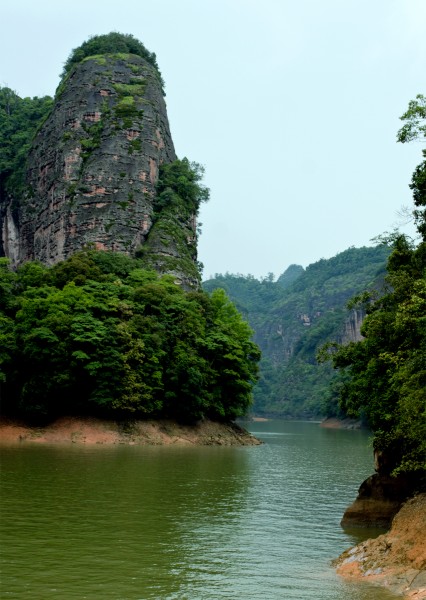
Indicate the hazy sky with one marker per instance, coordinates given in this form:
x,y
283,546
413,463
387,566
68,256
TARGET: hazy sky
x,y
291,106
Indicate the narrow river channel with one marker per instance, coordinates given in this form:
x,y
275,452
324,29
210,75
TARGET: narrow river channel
x,y
163,523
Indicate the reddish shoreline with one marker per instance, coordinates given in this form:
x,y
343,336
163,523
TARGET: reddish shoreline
x,y
335,423
395,560
89,430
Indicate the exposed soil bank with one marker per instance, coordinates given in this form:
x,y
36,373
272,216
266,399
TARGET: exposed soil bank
x,y
334,423
75,430
397,559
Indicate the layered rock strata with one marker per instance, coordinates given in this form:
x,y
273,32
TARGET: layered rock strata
x,y
94,165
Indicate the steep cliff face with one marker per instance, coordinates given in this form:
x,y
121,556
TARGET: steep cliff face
x,y
94,166
352,327
281,339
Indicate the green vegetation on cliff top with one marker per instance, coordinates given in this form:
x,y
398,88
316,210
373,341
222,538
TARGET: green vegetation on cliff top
x,y
171,246
20,118
111,43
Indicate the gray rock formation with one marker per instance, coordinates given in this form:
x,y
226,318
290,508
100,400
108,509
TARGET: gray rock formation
x,y
94,165
352,327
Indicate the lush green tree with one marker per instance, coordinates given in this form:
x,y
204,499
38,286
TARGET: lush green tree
x,y
415,117
418,185
232,356
415,129
386,372
7,311
180,184
98,334
19,121
7,285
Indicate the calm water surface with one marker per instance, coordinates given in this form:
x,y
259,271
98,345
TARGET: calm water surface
x,y
132,523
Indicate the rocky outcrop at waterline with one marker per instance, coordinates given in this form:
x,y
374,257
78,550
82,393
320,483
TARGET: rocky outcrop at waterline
x,y
397,559
381,495
379,499
342,423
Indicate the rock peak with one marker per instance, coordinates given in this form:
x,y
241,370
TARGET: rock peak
x,y
94,165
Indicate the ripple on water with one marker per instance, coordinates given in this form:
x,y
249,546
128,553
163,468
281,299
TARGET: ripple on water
x,y
183,523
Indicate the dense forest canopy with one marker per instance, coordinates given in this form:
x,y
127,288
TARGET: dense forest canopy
x,y
98,334
385,373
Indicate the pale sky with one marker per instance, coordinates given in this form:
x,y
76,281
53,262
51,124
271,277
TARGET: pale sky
x,y
292,106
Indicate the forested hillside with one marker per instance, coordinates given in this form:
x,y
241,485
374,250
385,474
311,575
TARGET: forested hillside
x,y
294,316
98,334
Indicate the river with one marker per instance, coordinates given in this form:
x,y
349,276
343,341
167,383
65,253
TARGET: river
x,y
183,523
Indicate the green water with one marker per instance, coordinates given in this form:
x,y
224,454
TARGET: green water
x,y
130,523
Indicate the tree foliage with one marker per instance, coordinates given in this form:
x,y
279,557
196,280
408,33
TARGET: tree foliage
x,y
386,372
19,121
98,334
415,129
171,245
179,184
415,126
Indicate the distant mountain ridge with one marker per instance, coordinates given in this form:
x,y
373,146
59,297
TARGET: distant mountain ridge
x,y
292,321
